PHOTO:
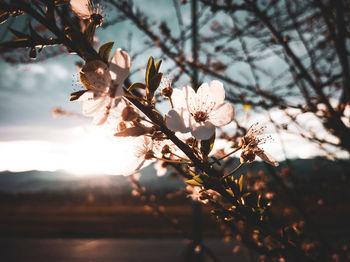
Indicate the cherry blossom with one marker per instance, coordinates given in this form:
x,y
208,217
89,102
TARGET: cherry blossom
x,y
143,151
105,85
84,9
249,143
199,112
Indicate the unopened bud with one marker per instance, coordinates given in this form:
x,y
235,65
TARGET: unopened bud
x,y
129,114
167,91
191,141
166,150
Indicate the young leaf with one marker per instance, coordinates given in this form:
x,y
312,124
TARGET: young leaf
x,y
158,115
150,70
153,84
105,50
198,179
76,95
157,65
207,145
193,182
136,86
240,182
85,81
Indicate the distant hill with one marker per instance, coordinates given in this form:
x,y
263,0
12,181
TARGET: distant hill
x,y
34,181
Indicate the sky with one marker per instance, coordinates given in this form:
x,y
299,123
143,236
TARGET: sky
x,y
31,138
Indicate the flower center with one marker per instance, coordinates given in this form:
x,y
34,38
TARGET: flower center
x,y
200,116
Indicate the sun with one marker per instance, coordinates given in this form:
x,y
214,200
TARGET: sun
x,y
83,151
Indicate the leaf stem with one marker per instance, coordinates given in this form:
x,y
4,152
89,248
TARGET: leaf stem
x,y
232,172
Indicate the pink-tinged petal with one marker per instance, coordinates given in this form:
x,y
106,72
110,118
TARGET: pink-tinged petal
x,y
92,102
190,97
102,114
100,117
176,122
217,92
212,95
82,8
202,131
178,98
120,66
266,157
203,97
222,115
134,167
116,89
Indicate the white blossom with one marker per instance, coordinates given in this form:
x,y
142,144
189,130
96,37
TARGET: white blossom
x,y
143,151
199,112
105,85
249,143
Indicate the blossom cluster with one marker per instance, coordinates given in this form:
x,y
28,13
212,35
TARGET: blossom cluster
x,y
194,116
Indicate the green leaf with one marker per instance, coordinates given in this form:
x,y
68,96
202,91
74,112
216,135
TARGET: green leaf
x,y
158,115
105,50
230,192
136,86
153,84
198,179
240,182
76,95
192,173
85,81
207,145
157,65
258,202
193,182
150,69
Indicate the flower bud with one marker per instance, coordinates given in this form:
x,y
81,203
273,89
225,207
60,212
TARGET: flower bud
x,y
166,150
167,91
191,141
129,114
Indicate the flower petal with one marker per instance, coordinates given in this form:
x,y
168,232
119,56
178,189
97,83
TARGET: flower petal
x,y
92,102
222,115
266,157
82,8
190,98
175,121
120,66
202,131
213,94
178,98
217,92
